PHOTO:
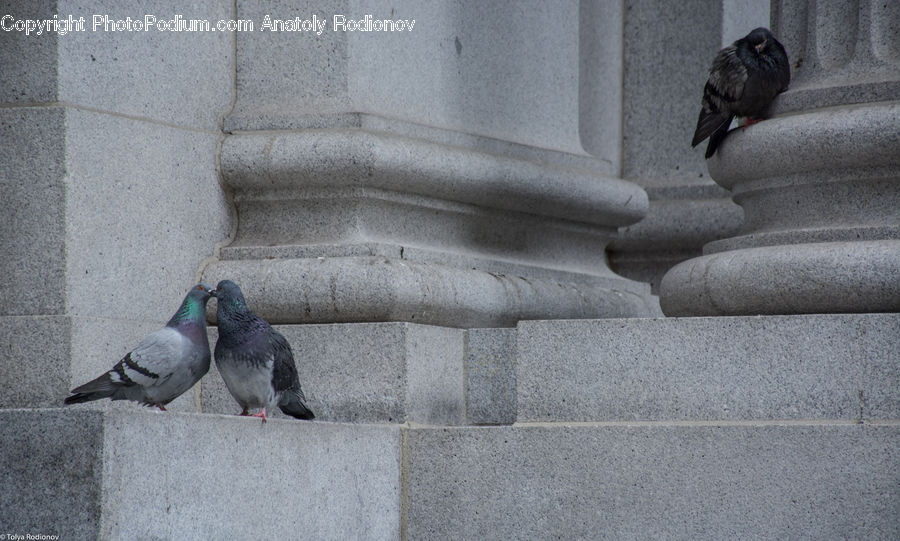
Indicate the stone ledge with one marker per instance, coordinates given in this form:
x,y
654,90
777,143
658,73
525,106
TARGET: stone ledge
x,y
815,481
154,475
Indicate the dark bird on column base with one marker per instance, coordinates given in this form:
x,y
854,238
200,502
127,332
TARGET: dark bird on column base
x,y
744,79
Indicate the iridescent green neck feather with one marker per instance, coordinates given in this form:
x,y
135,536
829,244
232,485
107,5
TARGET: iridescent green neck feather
x,y
191,310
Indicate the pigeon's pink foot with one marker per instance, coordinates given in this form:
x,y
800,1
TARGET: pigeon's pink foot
x,y
161,407
751,121
262,414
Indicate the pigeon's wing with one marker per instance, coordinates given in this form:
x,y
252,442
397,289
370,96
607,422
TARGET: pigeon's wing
x,y
284,371
726,78
149,364
154,359
286,381
723,89
711,123
783,65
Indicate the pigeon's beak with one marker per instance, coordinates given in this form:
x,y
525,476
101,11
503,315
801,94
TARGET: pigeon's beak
x,y
212,292
762,45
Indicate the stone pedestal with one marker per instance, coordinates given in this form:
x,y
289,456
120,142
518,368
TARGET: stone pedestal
x,y
413,177
819,183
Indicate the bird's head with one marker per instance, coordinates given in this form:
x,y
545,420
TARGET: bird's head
x,y
759,39
203,291
228,291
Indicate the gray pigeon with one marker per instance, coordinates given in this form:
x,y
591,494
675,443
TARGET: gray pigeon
x,y
164,365
744,79
254,359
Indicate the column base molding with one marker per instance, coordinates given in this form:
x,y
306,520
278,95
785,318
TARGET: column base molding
x,y
829,277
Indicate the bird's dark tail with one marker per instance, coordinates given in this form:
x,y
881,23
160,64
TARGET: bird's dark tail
x,y
716,139
292,404
102,387
708,122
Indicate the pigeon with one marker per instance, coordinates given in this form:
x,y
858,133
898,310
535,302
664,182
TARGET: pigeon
x,y
254,359
744,79
163,365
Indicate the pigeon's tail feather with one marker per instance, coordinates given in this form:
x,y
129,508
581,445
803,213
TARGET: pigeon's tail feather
x,y
80,398
292,404
716,139
710,123
102,387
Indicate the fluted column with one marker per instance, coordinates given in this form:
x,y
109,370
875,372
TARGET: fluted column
x,y
819,182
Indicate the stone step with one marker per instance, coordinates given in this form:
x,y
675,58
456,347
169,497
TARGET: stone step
x,y
827,367
152,475
84,474
669,481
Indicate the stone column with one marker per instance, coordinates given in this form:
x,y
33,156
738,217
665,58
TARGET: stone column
x,y
819,182
434,174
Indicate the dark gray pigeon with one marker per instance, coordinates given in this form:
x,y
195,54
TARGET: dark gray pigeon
x,y
254,359
163,365
744,79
